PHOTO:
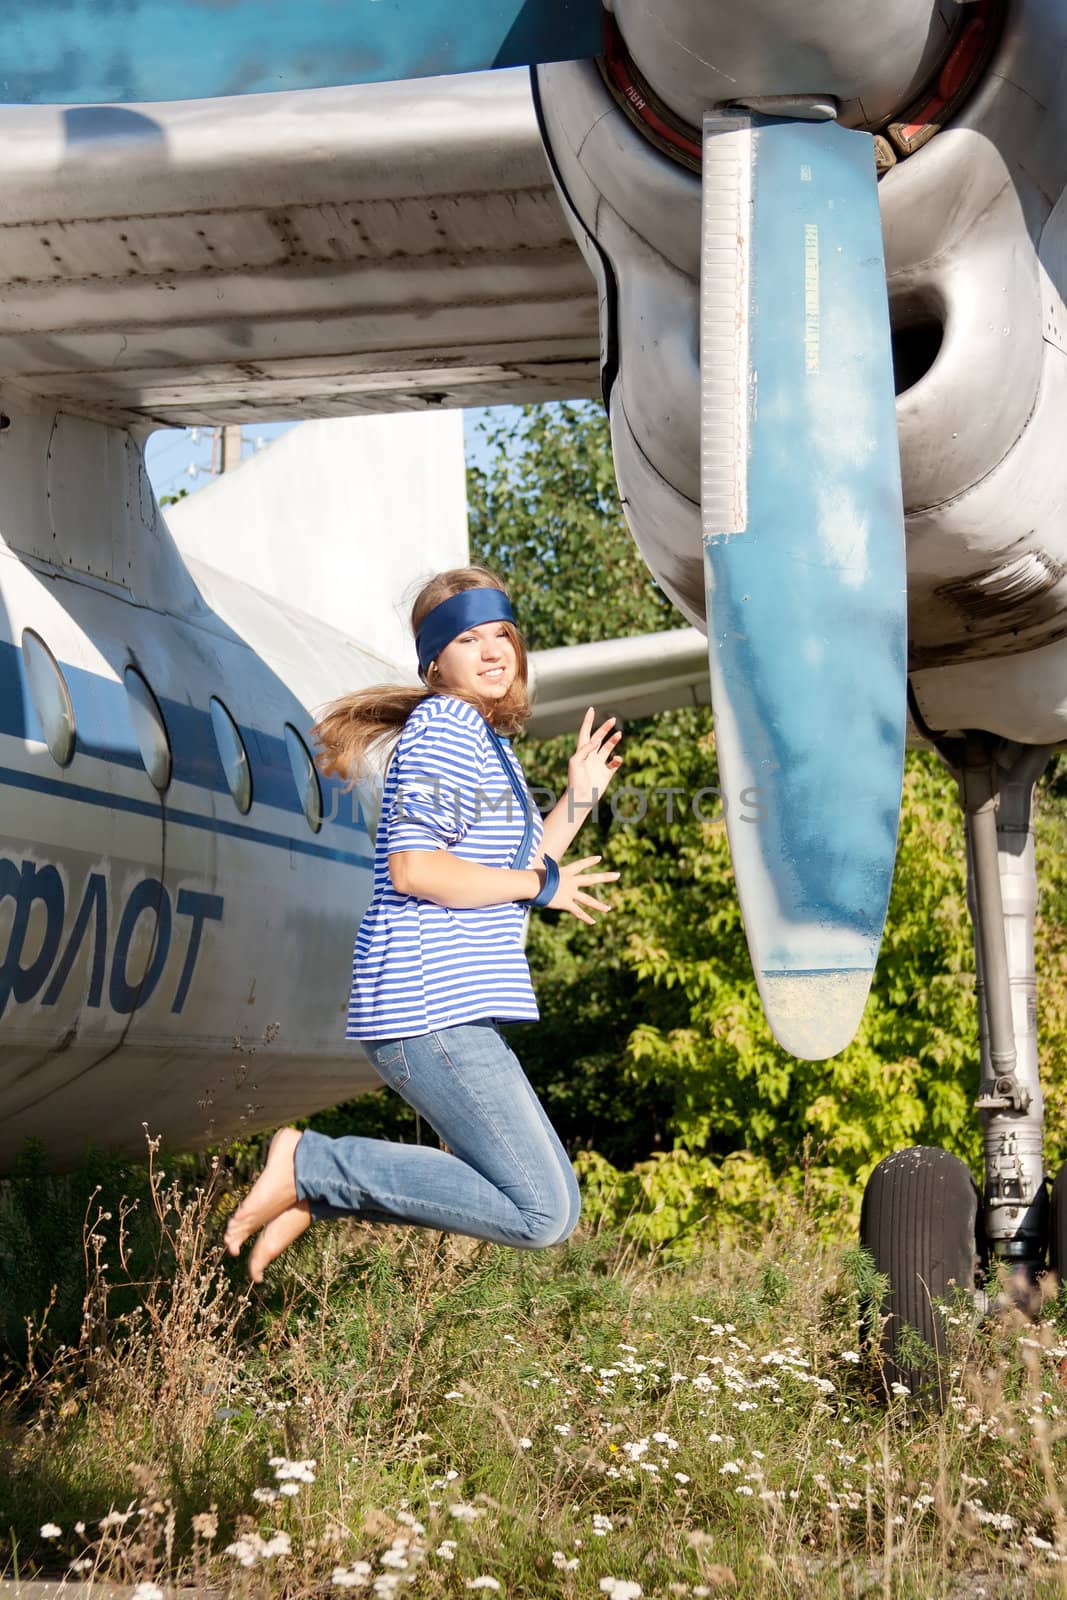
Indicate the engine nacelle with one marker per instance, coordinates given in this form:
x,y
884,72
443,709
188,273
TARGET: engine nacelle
x,y
975,226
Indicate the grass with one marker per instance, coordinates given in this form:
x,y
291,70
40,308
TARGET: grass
x,y
401,1413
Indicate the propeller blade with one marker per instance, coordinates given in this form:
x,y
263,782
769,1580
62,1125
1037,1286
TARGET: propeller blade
x,y
804,558
91,52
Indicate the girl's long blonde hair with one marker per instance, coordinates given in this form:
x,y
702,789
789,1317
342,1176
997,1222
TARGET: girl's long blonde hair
x,y
354,725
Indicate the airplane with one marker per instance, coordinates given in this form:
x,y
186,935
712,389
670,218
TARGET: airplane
x,y
814,262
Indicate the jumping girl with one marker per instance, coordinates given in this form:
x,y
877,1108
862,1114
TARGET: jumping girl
x,y
461,853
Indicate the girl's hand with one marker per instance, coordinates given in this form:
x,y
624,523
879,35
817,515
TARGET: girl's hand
x,y
594,763
574,879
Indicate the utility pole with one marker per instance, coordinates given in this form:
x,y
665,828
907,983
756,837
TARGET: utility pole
x,y
231,447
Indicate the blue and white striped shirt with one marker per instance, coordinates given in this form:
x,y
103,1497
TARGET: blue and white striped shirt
x,y
419,966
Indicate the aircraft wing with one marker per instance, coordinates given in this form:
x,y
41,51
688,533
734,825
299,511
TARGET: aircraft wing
x,y
628,678
310,254
625,678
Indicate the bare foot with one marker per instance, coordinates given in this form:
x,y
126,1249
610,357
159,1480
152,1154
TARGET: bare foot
x,y
276,1237
274,1191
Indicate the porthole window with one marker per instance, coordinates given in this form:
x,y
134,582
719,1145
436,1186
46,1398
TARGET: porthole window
x,y
232,754
149,729
305,777
49,696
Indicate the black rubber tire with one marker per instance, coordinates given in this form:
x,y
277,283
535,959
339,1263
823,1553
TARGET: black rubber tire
x,y
1057,1228
920,1222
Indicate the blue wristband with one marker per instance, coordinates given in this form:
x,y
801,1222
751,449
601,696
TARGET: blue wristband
x,y
550,885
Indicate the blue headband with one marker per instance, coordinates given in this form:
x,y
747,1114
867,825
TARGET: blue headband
x,y
455,615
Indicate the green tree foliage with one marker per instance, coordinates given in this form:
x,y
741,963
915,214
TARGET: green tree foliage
x,y
653,1047
545,514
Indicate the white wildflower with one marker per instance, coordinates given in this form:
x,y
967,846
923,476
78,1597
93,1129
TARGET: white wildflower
x,y
289,1488
620,1588
484,1582
465,1513
114,1519
561,1562
525,1444
681,1477
993,1519
850,1355
50,1530
602,1525
245,1550
147,1591
357,1576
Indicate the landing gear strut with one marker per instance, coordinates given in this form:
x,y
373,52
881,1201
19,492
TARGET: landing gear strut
x,y
923,1220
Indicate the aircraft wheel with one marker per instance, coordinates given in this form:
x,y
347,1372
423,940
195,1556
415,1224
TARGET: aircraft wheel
x,y
920,1223
1057,1230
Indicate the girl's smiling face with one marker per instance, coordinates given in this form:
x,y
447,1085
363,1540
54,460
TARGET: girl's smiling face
x,y
480,662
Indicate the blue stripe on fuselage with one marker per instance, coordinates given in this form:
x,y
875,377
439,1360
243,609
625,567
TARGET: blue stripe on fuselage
x,y
80,793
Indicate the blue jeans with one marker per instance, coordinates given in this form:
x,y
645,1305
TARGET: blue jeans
x,y
505,1175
